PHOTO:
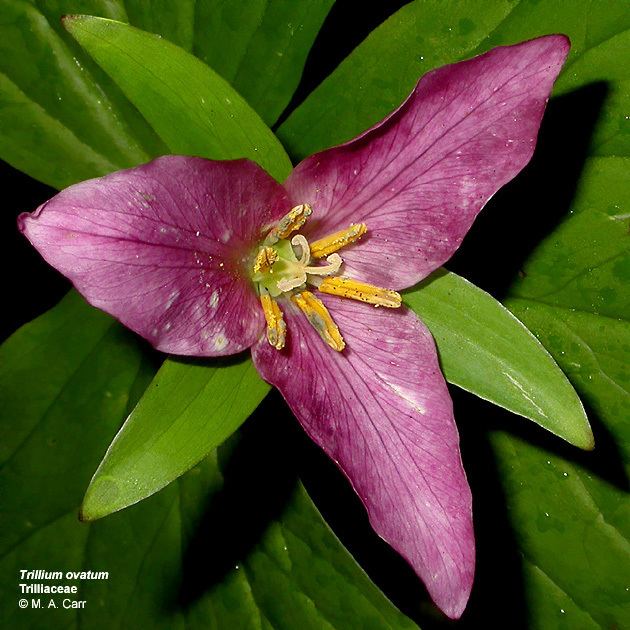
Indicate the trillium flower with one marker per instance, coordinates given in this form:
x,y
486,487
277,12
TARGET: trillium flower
x,y
208,258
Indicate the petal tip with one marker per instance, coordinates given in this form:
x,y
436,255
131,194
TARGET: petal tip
x,y
452,594
455,608
25,219
561,43
21,222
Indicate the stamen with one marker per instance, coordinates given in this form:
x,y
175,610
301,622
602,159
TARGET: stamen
x,y
276,327
337,240
291,222
348,288
320,319
265,259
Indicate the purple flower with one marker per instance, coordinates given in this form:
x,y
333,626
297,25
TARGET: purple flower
x,y
210,258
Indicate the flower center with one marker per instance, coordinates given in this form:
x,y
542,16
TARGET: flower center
x,y
284,268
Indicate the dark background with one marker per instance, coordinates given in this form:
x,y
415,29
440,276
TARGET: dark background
x,y
491,257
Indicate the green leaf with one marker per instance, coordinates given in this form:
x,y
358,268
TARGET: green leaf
x,y
219,548
227,127
376,77
592,349
600,54
258,46
484,349
425,34
188,410
64,120
191,108
573,292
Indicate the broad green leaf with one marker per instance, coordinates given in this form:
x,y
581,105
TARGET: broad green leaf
x,y
600,54
228,127
188,410
64,120
191,108
221,547
376,77
425,34
486,350
593,350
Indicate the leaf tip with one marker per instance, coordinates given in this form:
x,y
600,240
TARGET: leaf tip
x,y
83,516
582,436
100,499
589,443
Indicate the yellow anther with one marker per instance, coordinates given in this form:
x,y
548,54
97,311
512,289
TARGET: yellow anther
x,y
320,319
290,223
276,328
265,259
348,288
336,241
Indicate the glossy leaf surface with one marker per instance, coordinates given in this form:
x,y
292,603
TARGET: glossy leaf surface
x,y
485,349
267,40
212,140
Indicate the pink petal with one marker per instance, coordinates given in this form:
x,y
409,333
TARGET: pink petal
x,y
382,412
161,247
419,178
